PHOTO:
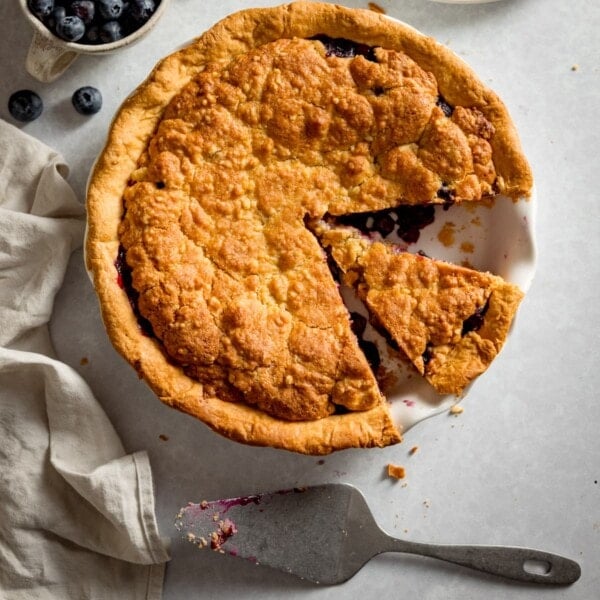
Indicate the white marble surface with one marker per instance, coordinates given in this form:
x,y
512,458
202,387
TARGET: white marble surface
x,y
521,465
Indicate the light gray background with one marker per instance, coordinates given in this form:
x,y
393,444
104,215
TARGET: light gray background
x,y
521,465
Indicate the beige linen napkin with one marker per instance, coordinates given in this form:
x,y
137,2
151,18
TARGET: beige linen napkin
x,y
76,513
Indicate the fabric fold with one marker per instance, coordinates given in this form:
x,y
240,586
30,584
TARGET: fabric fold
x,y
77,516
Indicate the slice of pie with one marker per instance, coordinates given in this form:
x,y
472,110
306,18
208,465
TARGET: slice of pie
x,y
450,321
210,283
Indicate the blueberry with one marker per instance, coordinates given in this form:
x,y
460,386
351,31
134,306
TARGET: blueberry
x,y
84,9
25,106
110,9
58,14
70,29
40,8
142,10
111,32
87,100
92,34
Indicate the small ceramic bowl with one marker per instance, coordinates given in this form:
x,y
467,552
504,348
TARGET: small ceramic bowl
x,y
49,56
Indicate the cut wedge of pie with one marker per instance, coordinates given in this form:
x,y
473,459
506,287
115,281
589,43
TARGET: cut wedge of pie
x,y
210,283
450,321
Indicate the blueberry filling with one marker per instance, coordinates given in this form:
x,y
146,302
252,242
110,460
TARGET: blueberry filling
x,y
446,108
446,193
358,323
344,48
125,282
406,220
475,321
341,410
428,354
371,353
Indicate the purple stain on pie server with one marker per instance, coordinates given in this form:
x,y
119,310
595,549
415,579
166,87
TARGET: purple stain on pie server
x,y
206,526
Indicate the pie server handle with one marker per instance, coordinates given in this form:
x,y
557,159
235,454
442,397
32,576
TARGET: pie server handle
x,y
521,564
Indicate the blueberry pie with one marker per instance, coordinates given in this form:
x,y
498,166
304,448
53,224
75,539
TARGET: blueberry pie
x,y
448,320
214,280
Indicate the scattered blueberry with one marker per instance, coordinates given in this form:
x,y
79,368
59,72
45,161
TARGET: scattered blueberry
x,y
142,10
25,106
87,100
84,9
110,32
70,29
110,9
41,8
93,21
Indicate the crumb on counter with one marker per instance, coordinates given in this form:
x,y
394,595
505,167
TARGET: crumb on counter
x,y
396,471
575,67
163,437
413,450
376,8
456,409
84,361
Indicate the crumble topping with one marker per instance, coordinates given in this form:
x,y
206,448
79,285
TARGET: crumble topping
x,y
228,276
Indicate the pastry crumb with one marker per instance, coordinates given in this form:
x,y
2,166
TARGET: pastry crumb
x,y
413,450
467,247
84,361
575,67
456,410
396,471
376,8
163,437
446,234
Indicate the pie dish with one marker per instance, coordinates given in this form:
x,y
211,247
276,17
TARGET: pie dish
x,y
202,210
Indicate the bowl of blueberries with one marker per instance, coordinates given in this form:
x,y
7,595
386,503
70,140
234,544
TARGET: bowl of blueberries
x,y
63,29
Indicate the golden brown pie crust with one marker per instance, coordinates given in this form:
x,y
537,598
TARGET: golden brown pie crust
x,y
143,163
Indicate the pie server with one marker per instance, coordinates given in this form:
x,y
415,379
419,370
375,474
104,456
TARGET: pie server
x,y
326,533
